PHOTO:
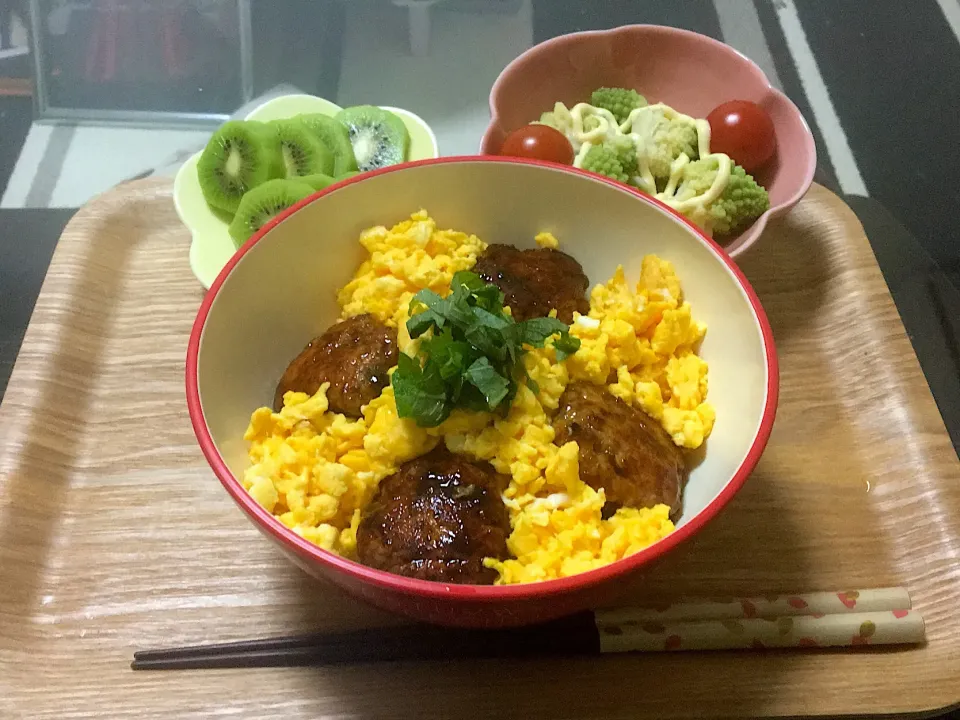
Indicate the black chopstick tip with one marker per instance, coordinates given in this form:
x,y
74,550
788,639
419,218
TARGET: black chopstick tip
x,y
573,635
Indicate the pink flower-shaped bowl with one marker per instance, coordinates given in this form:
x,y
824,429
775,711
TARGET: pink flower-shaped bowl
x,y
690,72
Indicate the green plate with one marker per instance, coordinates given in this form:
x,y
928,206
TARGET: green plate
x,y
212,246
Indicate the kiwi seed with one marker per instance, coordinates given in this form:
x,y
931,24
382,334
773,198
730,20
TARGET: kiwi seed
x,y
335,136
379,137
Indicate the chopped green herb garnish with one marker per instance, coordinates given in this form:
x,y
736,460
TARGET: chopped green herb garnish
x,y
420,392
474,356
484,377
565,345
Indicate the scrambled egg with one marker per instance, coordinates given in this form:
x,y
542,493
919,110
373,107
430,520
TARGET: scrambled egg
x,y
547,240
647,338
316,470
412,256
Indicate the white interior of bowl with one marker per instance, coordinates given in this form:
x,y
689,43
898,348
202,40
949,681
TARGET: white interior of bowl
x,y
282,292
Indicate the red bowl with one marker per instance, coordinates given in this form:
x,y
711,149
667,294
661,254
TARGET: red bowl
x,y
278,292
688,71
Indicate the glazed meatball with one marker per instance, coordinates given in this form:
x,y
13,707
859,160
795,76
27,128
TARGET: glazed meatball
x,y
622,449
437,518
353,356
534,282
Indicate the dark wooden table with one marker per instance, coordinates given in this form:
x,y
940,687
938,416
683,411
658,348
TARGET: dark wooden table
x,y
27,240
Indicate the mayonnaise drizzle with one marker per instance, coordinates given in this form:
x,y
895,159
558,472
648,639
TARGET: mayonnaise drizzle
x,y
716,188
676,171
606,129
703,137
640,128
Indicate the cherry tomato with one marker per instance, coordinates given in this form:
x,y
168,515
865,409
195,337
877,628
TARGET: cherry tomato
x,y
744,131
538,142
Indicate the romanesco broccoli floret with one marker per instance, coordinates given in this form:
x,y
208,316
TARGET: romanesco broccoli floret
x,y
620,101
548,118
604,160
697,178
591,123
626,154
741,201
559,119
671,138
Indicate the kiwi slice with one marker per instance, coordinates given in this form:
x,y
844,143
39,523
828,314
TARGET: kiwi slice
x,y
379,137
335,136
264,203
318,181
240,156
302,152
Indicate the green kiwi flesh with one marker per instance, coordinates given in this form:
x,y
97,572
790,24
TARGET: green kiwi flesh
x,y
379,137
318,181
239,157
264,203
335,136
301,150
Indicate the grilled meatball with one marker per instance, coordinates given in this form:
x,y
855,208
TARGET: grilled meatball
x,y
622,449
534,282
353,356
437,518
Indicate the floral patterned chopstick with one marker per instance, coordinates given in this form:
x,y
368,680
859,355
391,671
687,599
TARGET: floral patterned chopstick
x,y
767,606
881,616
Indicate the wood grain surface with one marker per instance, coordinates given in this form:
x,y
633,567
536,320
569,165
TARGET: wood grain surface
x,y
115,535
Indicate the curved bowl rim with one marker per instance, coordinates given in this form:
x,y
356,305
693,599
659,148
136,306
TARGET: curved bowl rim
x,y
748,237
479,593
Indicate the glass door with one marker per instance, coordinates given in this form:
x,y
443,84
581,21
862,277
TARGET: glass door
x,y
138,61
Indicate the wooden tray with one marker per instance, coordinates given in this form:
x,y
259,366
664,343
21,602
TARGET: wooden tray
x,y
116,536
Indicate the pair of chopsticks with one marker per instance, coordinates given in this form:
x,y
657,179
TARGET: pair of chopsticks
x,y
855,618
